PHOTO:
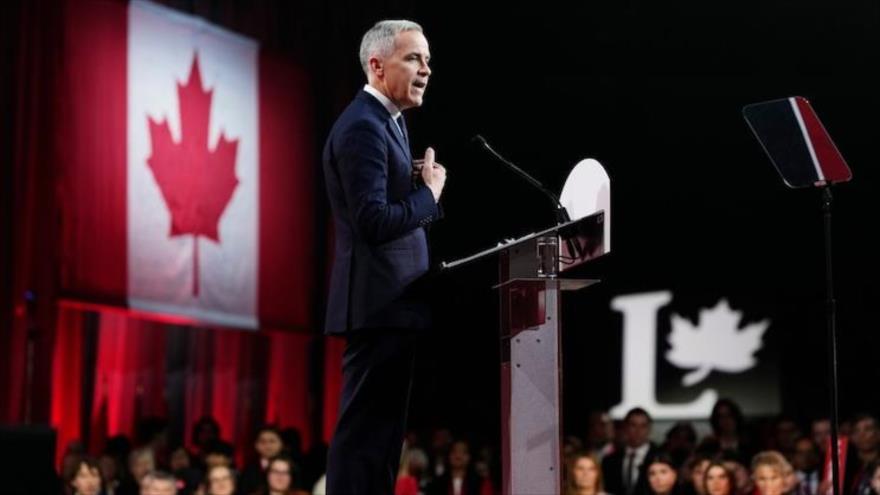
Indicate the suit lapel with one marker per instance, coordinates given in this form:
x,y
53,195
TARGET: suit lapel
x,y
391,127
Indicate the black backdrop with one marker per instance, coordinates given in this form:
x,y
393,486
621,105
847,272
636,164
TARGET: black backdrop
x,y
654,91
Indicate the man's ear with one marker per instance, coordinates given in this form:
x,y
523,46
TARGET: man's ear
x,y
376,66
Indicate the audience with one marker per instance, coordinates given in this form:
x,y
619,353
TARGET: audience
x,y
695,471
219,480
600,434
280,478
718,479
791,464
585,475
459,478
662,475
158,483
805,462
82,476
267,444
625,471
770,469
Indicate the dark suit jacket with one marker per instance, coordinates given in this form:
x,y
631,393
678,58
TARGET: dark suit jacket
x,y
379,218
612,471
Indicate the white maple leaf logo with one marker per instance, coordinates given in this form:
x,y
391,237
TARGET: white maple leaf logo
x,y
714,343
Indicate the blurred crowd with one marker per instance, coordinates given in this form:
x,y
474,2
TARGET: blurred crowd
x,y
781,456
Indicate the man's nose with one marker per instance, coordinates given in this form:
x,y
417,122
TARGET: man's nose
x,y
425,70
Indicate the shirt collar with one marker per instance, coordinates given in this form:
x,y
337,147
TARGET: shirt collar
x,y
388,104
640,451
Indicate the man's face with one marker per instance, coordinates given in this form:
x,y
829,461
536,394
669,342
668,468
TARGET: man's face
x,y
459,455
403,76
821,432
601,429
268,444
805,457
638,430
786,434
865,436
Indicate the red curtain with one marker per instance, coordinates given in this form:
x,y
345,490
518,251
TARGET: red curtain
x,y
129,373
26,164
333,350
67,378
288,401
240,378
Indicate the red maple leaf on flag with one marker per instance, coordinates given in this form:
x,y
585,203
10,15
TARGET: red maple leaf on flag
x,y
196,183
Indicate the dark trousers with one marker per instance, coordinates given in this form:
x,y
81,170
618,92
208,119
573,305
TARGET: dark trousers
x,y
377,371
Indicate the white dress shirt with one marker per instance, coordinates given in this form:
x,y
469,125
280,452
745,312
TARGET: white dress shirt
x,y
639,458
388,104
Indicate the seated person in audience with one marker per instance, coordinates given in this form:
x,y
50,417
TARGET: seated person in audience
x,y
219,480
459,477
662,475
571,445
680,442
695,471
82,476
820,432
805,462
159,483
600,434
584,475
407,479
280,479
219,453
205,432
743,484
140,463
268,444
182,469
625,470
111,473
769,470
718,479
865,440
729,433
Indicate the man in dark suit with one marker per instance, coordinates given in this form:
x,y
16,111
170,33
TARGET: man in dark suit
x,y
381,205
625,471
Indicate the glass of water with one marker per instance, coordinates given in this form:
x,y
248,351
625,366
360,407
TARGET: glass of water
x,y
548,256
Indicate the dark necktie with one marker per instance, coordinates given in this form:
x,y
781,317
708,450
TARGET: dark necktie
x,y
629,482
402,126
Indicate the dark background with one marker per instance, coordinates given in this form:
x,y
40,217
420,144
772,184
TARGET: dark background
x,y
653,90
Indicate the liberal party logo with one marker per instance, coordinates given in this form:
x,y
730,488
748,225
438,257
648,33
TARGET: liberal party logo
x,y
718,347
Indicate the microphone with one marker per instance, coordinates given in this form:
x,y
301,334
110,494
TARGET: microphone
x,y
561,212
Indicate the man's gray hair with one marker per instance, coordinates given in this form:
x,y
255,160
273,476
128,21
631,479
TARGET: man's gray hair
x,y
380,39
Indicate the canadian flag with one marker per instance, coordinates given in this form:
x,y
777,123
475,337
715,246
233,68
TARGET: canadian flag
x,y
188,183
